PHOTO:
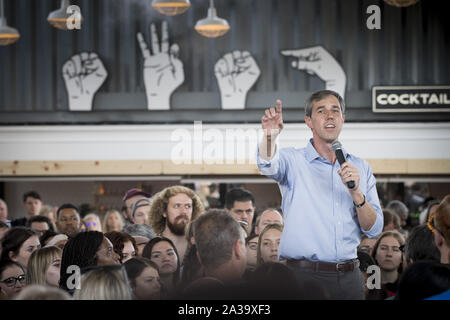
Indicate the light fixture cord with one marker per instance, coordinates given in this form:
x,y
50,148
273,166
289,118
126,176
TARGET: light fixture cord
x,y
2,13
211,4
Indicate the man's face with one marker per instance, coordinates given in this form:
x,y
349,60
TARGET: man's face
x,y
326,119
252,247
179,213
39,228
268,217
243,211
129,203
3,211
68,222
32,206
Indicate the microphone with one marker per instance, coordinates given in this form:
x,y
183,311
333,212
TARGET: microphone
x,y
337,148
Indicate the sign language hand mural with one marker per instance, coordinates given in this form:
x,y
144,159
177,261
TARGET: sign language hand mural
x,y
163,71
236,73
318,61
83,75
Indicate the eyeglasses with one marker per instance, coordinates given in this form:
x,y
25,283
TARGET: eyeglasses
x,y
11,282
431,225
88,224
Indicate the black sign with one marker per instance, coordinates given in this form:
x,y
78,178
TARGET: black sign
x,y
411,99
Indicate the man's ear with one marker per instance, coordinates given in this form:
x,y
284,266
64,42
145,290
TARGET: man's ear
x,y
308,121
238,249
438,240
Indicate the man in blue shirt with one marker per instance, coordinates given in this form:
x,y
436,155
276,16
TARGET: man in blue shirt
x,y
323,217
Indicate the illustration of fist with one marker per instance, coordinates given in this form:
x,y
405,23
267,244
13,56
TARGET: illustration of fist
x,y
83,75
236,72
318,61
163,71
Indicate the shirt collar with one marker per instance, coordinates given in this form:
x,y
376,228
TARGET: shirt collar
x,y
311,153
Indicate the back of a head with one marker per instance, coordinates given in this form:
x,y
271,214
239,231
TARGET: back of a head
x,y
215,234
140,230
420,245
104,283
41,292
397,206
238,194
423,279
442,219
80,251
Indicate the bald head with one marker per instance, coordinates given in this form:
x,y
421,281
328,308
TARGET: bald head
x,y
268,216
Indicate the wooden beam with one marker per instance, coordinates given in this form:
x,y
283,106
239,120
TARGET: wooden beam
x,y
167,167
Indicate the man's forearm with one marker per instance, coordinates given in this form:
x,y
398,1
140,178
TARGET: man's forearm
x,y
366,214
267,146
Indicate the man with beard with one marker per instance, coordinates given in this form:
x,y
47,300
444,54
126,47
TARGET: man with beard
x,y
68,220
171,211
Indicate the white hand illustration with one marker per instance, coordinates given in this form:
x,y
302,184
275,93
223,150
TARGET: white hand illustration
x,y
83,75
318,61
236,73
163,71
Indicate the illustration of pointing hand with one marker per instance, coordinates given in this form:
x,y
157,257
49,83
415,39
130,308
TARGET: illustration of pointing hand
x,y
236,73
163,71
318,61
83,75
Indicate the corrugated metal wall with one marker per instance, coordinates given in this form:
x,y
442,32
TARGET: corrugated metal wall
x,y
412,48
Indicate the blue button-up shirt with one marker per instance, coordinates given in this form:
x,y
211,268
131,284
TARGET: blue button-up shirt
x,y
321,222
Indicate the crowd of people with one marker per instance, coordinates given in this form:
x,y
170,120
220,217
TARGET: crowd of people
x,y
174,245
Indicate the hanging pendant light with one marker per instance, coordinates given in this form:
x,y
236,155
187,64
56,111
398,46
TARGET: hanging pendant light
x,y
60,17
401,3
8,35
171,7
212,26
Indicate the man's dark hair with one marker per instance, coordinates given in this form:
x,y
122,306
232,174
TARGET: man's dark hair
x,y
215,234
40,219
423,279
66,206
13,240
240,195
322,94
420,245
391,216
80,251
31,194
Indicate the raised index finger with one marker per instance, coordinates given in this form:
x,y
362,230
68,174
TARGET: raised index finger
x,y
278,106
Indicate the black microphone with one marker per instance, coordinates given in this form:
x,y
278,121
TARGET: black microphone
x,y
337,148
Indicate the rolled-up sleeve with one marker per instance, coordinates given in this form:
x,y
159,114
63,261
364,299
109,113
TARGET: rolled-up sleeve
x,y
372,198
270,168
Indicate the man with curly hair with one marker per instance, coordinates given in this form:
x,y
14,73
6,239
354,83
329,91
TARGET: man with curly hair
x,y
171,211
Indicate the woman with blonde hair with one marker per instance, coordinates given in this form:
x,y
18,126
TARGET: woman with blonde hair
x,y
268,244
112,221
44,267
92,222
104,283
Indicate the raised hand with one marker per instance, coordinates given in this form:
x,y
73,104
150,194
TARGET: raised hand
x,y
83,75
272,121
318,61
236,72
163,71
